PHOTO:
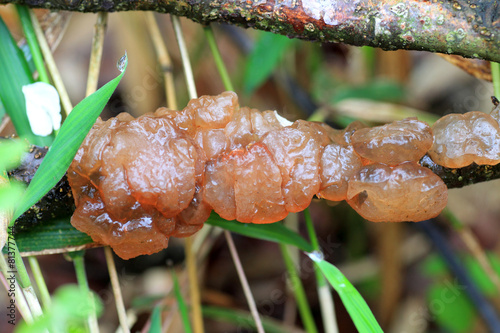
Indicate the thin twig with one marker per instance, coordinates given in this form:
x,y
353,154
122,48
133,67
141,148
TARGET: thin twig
x,y
115,284
186,64
163,59
96,53
51,64
244,282
18,297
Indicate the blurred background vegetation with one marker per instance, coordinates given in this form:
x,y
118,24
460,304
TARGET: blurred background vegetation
x,y
396,267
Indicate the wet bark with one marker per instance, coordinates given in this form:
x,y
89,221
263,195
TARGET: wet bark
x,y
464,27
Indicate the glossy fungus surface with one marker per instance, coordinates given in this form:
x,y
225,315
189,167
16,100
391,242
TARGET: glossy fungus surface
x,y
461,139
405,140
137,182
407,192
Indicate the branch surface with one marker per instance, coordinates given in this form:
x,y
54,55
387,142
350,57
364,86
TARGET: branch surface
x,y
464,27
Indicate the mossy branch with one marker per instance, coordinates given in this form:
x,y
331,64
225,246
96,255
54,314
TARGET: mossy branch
x,y
464,27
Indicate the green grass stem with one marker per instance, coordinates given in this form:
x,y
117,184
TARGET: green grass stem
x,y
495,74
219,63
298,290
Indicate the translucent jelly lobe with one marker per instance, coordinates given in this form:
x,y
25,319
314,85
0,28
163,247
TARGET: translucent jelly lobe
x,y
245,185
407,192
133,178
461,139
394,143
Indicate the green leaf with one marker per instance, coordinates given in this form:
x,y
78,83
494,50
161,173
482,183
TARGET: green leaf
x,y
69,311
274,232
155,320
267,54
243,319
354,303
183,309
14,74
64,148
10,194
53,235
11,152
451,308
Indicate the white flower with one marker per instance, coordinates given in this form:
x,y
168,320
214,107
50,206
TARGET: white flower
x,y
42,107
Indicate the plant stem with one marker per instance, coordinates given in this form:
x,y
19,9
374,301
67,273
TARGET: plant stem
x,y
244,282
40,281
186,64
163,59
29,33
194,287
18,297
51,64
324,293
495,75
96,53
81,277
115,284
221,67
298,290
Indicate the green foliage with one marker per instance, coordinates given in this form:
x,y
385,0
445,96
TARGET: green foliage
x,y
183,309
274,232
449,305
69,139
56,234
155,320
14,74
268,52
68,313
11,152
354,303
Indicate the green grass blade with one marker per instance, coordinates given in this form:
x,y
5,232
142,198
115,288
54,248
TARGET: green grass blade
x,y
243,320
14,74
354,303
69,139
274,232
183,309
155,320
265,57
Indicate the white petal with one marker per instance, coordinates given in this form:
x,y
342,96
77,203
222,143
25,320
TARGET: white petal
x,y
42,107
282,120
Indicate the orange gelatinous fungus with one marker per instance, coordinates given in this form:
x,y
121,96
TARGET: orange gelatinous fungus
x,y
404,140
461,139
407,192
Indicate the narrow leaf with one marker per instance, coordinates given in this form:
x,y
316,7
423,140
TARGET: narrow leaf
x,y
274,232
268,52
53,235
183,309
14,74
69,139
354,303
155,320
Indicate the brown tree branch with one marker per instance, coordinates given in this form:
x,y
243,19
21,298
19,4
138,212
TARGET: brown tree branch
x,y
464,27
